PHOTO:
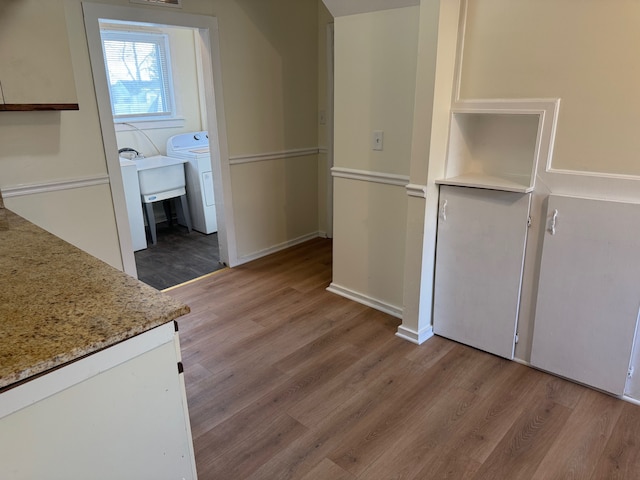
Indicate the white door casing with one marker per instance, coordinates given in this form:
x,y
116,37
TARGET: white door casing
x,y
207,28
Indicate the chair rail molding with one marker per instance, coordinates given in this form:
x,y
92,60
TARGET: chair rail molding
x,y
416,190
370,176
260,157
57,185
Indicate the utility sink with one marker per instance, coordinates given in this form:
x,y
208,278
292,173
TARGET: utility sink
x,y
160,174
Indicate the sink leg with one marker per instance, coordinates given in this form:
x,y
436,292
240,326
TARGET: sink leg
x,y
185,211
151,221
166,205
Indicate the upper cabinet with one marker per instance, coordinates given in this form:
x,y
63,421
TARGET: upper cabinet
x,y
497,144
36,72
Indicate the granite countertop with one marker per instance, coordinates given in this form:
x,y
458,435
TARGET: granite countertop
x,y
58,303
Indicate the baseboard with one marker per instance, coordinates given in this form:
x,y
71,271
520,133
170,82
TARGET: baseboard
x,y
522,362
413,336
276,248
322,234
365,300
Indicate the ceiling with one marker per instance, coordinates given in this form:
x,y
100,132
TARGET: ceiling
x,y
340,8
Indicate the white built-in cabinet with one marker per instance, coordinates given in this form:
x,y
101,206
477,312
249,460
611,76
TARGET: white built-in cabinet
x,y
36,72
589,291
494,150
585,284
479,258
115,414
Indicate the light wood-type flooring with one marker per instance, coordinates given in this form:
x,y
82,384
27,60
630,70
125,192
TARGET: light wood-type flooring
x,y
288,381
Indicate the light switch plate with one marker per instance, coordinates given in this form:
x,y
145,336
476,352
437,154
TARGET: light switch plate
x,y
377,140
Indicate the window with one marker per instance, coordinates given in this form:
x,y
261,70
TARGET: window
x,y
138,74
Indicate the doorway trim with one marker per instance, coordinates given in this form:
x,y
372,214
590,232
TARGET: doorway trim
x,y
207,27
330,123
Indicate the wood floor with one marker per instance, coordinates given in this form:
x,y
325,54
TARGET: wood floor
x,y
288,381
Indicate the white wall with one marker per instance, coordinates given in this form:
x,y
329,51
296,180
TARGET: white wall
x,y
375,71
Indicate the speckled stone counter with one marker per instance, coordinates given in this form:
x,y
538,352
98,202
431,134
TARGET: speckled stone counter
x,y
58,303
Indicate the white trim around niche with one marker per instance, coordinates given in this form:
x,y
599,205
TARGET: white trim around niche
x,y
55,186
370,176
259,157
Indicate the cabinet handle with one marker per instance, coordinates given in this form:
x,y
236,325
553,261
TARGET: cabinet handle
x,y
554,218
443,211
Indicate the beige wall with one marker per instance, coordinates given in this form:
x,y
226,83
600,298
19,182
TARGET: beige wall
x,y
278,199
375,72
269,70
43,147
270,77
369,240
583,51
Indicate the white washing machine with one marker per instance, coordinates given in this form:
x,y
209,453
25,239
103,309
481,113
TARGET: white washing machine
x,y
194,147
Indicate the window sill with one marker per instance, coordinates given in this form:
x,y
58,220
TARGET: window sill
x,y
149,124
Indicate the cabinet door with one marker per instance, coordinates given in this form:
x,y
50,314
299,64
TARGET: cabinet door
x,y
588,292
479,258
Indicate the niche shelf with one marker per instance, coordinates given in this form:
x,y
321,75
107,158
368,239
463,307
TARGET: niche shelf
x,y
497,144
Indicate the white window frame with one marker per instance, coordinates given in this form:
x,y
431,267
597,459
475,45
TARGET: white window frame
x,y
154,120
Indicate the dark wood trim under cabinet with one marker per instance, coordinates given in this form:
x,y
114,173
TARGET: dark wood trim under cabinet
x,y
32,107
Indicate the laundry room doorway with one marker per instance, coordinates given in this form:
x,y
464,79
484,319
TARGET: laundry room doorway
x,y
157,79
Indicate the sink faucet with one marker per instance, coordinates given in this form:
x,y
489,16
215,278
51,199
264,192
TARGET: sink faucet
x,y
129,149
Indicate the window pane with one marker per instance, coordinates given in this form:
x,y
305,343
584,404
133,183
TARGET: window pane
x,y
137,73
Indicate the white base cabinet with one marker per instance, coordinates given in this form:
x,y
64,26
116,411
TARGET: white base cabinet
x,y
479,259
120,414
588,293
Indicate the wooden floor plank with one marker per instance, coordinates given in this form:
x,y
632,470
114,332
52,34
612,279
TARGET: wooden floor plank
x,y
249,455
388,422
418,445
288,381
328,470
524,446
621,456
576,451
